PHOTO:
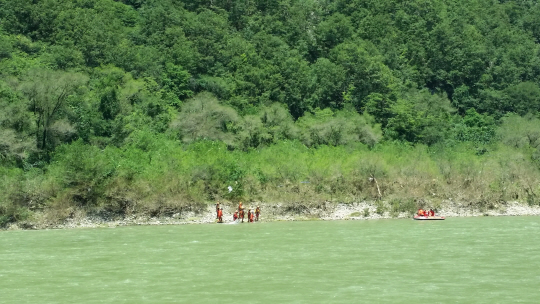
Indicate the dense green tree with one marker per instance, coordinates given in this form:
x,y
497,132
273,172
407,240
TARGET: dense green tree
x,y
48,93
16,127
209,31
365,71
523,98
420,116
176,83
332,31
328,84
63,58
5,46
474,127
202,117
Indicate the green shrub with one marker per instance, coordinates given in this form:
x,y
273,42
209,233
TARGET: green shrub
x,y
366,212
381,208
406,205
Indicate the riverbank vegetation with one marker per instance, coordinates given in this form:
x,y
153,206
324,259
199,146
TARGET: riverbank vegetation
x,y
157,107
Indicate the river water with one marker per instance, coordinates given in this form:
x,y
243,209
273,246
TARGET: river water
x,y
459,260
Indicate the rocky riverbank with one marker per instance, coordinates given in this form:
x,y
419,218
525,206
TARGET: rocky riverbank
x,y
279,212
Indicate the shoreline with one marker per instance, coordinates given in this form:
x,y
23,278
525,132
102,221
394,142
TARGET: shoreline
x,y
326,211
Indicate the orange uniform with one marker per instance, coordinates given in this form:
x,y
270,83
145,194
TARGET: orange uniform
x,y
242,215
235,216
257,212
421,212
220,215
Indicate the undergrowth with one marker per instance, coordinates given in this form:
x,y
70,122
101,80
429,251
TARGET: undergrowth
x,y
166,178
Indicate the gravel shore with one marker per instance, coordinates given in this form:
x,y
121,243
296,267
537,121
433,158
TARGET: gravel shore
x,y
281,212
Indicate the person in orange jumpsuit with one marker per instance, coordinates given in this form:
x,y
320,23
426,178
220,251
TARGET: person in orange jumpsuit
x,y
235,216
421,212
240,207
217,210
220,215
431,212
250,216
241,213
257,212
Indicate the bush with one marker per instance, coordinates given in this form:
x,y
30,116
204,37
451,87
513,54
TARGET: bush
x,y
325,127
202,117
13,206
407,205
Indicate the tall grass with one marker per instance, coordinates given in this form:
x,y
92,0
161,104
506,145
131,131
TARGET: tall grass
x,y
155,175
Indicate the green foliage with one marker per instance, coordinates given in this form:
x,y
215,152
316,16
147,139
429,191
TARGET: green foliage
x,y
420,117
332,31
83,170
6,47
48,93
398,206
365,70
63,58
16,127
520,132
169,102
475,127
523,98
366,212
381,208
175,82
109,105
272,125
12,207
340,128
203,117
328,83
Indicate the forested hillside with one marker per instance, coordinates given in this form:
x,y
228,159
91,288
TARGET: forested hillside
x,y
156,106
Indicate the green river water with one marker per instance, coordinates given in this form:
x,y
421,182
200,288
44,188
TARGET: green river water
x,y
459,260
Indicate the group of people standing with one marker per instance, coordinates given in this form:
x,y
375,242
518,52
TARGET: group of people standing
x,y
239,214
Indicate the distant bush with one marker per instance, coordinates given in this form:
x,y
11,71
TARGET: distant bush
x,y
14,206
406,205
203,117
343,127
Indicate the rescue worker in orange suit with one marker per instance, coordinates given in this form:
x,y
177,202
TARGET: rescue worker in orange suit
x,y
241,213
240,207
421,212
235,216
220,215
431,212
250,216
257,212
217,210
